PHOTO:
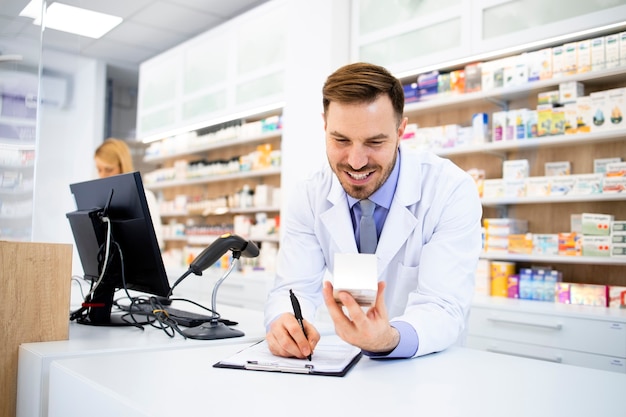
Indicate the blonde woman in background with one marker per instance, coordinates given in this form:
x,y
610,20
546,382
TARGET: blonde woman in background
x,y
113,157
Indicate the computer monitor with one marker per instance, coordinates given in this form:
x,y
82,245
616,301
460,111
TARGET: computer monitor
x,y
135,261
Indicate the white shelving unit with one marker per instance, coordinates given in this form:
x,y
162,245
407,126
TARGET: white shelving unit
x,y
216,185
579,335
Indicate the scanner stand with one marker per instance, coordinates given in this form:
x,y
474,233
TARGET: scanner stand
x,y
214,329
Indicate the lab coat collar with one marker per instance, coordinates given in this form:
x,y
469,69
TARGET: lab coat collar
x,y
400,222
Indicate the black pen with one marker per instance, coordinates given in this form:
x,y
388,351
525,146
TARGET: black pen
x,y
298,313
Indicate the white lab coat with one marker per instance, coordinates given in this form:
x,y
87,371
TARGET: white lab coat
x,y
427,252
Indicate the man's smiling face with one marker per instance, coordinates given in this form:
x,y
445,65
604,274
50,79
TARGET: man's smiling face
x,y
362,142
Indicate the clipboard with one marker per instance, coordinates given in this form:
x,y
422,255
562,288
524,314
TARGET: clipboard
x,y
332,357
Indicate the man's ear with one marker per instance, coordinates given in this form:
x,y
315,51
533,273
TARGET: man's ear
x,y
402,127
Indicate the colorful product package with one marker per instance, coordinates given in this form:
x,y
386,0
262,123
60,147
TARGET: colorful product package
x,y
557,168
493,188
562,294
498,125
614,185
596,224
545,244
558,121
600,164
616,169
513,286
597,54
618,249
500,272
544,120
549,285
525,284
515,169
611,51
562,185
617,296
587,184
584,115
483,277
473,77
618,227
583,59
570,112
538,286
589,295
537,186
596,245
521,243
570,244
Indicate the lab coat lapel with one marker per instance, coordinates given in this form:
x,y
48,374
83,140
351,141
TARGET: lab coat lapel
x,y
337,220
401,221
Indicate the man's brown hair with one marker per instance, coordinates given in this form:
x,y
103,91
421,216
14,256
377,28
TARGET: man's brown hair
x,y
363,83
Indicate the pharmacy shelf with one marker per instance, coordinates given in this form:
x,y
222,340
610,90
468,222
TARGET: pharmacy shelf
x,y
17,192
505,94
247,210
214,145
23,121
209,239
543,142
6,167
214,178
586,260
579,198
179,213
16,217
549,308
12,144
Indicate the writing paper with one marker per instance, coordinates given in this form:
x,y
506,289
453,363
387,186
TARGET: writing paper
x,y
332,357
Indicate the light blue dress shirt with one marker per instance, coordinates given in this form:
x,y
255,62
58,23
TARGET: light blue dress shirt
x,y
409,340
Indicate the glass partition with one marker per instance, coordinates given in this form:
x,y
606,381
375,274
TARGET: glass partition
x,y
19,85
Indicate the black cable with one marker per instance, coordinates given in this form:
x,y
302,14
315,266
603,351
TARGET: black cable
x,y
125,288
183,276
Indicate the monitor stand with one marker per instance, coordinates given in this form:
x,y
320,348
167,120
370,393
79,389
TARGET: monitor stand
x,y
100,307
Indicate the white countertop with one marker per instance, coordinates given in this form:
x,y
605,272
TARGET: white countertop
x,y
456,382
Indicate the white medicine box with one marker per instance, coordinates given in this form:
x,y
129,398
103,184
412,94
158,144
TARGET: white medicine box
x,y
515,169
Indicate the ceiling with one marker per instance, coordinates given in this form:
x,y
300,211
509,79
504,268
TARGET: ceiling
x,y
149,28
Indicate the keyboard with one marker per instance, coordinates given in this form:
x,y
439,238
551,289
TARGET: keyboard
x,y
182,317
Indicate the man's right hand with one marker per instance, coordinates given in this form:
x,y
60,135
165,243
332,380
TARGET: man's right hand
x,y
285,337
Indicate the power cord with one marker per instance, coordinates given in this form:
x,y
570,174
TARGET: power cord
x,y
83,311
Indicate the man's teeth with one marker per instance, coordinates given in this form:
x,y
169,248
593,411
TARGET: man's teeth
x,y
358,176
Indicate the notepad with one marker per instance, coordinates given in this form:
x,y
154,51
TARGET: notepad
x,y
332,357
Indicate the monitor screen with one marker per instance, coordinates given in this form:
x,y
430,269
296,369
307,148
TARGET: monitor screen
x,y
134,260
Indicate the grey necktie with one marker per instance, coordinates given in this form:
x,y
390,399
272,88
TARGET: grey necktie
x,y
368,236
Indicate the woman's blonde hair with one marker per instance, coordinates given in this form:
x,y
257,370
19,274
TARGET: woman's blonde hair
x,y
116,152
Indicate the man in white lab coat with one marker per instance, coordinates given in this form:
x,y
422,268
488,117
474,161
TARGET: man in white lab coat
x,y
428,218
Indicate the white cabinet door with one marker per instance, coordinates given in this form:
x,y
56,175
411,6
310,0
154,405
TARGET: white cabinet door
x,y
501,24
550,354
602,337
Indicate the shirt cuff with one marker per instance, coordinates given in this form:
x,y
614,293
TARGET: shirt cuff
x,y
407,347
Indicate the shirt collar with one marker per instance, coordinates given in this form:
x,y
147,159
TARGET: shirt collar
x,y
383,196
